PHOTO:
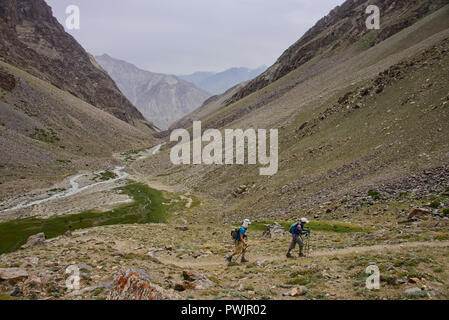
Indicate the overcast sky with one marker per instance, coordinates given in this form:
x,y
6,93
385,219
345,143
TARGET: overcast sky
x,y
184,36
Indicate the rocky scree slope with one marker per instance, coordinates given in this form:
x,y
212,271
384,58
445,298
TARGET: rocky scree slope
x,y
32,39
344,26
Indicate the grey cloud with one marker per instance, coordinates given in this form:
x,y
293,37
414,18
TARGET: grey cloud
x,y
183,36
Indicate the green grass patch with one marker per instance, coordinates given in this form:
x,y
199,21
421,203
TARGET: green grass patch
x,y
323,226
446,211
4,296
64,161
105,176
374,194
130,155
435,204
49,136
367,40
146,208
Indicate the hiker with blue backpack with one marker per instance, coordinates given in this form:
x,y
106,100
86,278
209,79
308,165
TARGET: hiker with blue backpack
x,y
239,236
298,230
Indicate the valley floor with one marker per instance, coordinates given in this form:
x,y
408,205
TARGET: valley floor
x,y
409,254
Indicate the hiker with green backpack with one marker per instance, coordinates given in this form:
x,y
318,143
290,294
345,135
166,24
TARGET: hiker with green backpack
x,y
241,245
298,230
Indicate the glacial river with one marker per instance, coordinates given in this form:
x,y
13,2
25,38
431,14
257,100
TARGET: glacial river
x,y
75,188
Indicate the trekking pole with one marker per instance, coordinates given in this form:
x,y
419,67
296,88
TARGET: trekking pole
x,y
241,253
308,244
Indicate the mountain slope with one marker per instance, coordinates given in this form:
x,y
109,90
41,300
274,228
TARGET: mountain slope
x,y
221,82
208,109
364,118
33,40
47,133
162,98
344,26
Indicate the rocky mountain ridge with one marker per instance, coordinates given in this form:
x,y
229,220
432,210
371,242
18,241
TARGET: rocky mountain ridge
x,y
162,98
342,27
33,40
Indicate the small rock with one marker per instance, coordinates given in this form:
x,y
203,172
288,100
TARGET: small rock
x,y
191,275
16,292
118,253
298,291
413,280
415,293
183,286
13,274
34,241
204,284
84,267
418,212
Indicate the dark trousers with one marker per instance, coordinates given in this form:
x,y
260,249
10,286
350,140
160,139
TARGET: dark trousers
x,y
294,242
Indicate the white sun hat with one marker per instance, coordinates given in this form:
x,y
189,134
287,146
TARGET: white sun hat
x,y
246,223
304,220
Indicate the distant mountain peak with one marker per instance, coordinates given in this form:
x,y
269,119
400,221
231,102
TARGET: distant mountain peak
x,y
162,98
220,82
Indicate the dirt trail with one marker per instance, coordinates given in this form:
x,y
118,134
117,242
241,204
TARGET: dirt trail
x,y
346,251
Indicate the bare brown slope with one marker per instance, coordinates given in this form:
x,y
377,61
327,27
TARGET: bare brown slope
x,y
33,40
344,26
345,126
47,133
209,107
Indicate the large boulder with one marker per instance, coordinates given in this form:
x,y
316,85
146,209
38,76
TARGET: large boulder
x,y
274,231
34,241
135,284
13,274
418,213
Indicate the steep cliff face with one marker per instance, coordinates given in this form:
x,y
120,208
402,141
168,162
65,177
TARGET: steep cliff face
x,y
33,40
345,25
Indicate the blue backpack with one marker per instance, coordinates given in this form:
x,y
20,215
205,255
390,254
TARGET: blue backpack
x,y
293,227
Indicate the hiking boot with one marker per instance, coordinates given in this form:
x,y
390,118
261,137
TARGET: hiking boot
x,y
244,260
289,256
229,258
301,254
